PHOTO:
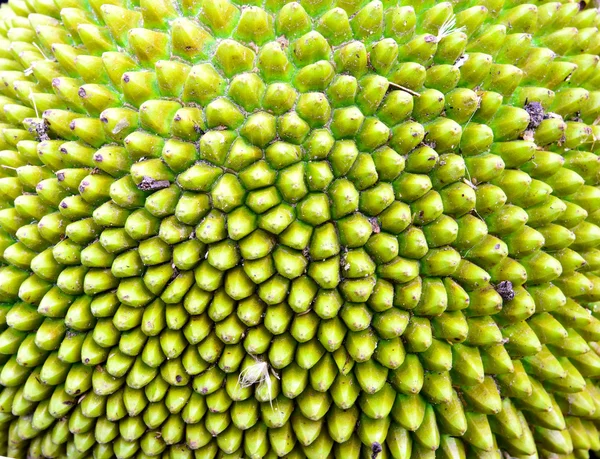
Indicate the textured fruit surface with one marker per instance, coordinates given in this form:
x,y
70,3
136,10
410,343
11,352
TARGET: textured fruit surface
x,y
324,228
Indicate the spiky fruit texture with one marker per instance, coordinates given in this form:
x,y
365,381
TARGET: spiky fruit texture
x,y
238,228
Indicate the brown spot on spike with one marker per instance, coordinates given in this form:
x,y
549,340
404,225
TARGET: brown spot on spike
x,y
375,225
536,114
376,448
149,184
505,290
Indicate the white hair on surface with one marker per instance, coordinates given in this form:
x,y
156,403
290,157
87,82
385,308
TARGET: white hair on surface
x,y
257,373
448,28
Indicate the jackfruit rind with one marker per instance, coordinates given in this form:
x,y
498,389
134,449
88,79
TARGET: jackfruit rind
x,y
316,229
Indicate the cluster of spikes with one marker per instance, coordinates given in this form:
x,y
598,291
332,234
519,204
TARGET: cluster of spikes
x,y
313,229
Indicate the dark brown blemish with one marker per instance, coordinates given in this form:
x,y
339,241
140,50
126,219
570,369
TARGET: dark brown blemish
x,y
505,290
149,184
536,114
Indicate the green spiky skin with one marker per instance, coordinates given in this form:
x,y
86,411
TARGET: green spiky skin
x,y
258,229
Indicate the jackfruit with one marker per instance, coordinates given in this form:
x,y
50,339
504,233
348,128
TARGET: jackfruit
x,y
301,229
